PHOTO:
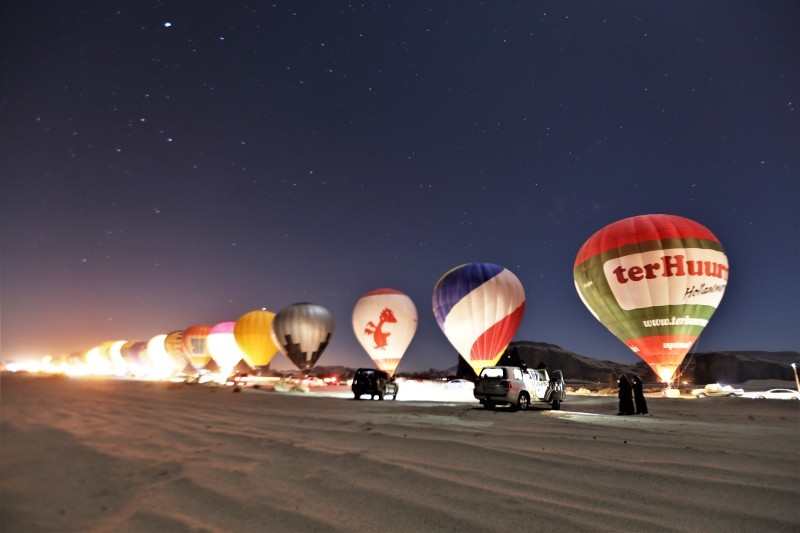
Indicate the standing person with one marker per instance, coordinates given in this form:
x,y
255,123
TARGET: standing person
x,y
638,396
625,398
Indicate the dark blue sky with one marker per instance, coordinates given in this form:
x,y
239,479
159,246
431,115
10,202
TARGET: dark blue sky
x,y
178,163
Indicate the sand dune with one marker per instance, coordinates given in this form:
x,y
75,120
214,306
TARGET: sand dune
x,y
94,455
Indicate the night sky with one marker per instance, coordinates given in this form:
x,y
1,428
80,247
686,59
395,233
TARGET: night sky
x,y
173,163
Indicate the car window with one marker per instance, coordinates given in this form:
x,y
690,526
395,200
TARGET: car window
x,y
517,373
493,373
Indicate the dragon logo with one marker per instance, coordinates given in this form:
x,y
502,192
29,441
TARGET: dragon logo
x,y
381,337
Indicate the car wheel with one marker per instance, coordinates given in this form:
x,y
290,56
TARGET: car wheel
x,y
731,395
762,398
701,395
523,402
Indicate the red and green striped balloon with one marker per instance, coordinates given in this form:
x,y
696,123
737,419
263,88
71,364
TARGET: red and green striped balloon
x,y
654,281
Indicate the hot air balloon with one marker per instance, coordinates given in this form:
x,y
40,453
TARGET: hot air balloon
x,y
162,363
173,344
195,343
479,307
134,354
384,321
654,281
223,348
253,333
98,362
302,331
111,350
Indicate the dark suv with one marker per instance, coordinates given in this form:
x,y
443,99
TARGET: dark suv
x,y
375,383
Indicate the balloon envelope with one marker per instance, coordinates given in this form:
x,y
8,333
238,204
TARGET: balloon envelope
x,y
173,344
253,334
302,331
384,321
479,307
161,361
654,281
195,342
222,346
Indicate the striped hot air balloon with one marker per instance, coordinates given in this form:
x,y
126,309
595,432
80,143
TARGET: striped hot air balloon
x,y
173,344
479,307
654,281
302,331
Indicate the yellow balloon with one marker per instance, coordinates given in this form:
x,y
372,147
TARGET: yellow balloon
x,y
253,334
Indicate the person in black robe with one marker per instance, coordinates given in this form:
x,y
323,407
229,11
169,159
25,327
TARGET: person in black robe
x,y
625,397
638,396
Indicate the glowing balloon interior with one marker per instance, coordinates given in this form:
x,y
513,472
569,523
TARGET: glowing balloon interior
x,y
654,281
479,307
384,322
253,334
302,331
222,346
162,363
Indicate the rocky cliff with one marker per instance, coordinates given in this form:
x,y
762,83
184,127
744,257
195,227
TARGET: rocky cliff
x,y
709,367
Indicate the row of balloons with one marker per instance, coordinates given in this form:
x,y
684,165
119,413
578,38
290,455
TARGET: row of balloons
x,y
653,280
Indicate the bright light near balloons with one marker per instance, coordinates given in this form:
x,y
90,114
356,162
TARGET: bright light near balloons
x,y
223,348
117,361
666,373
163,364
97,364
24,366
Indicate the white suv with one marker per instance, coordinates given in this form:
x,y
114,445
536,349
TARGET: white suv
x,y
518,387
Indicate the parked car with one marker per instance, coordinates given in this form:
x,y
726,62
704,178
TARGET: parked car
x,y
376,383
459,384
518,387
774,394
715,389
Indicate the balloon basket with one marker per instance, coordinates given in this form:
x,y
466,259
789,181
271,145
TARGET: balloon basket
x,y
672,393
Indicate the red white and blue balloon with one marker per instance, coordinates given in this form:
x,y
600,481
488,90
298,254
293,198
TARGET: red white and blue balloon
x,y
479,307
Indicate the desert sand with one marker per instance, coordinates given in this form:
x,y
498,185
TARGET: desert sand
x,y
106,455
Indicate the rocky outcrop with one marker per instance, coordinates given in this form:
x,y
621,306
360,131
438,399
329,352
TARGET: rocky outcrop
x,y
701,368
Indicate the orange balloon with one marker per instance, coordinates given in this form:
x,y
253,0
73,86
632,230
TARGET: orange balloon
x,y
195,342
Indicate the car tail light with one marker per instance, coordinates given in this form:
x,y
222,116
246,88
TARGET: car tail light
x,y
506,384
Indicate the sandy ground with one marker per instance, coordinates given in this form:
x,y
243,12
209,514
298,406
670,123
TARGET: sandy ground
x,y
103,455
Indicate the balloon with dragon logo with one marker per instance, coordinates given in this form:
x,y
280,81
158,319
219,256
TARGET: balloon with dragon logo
x,y
384,322
654,281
